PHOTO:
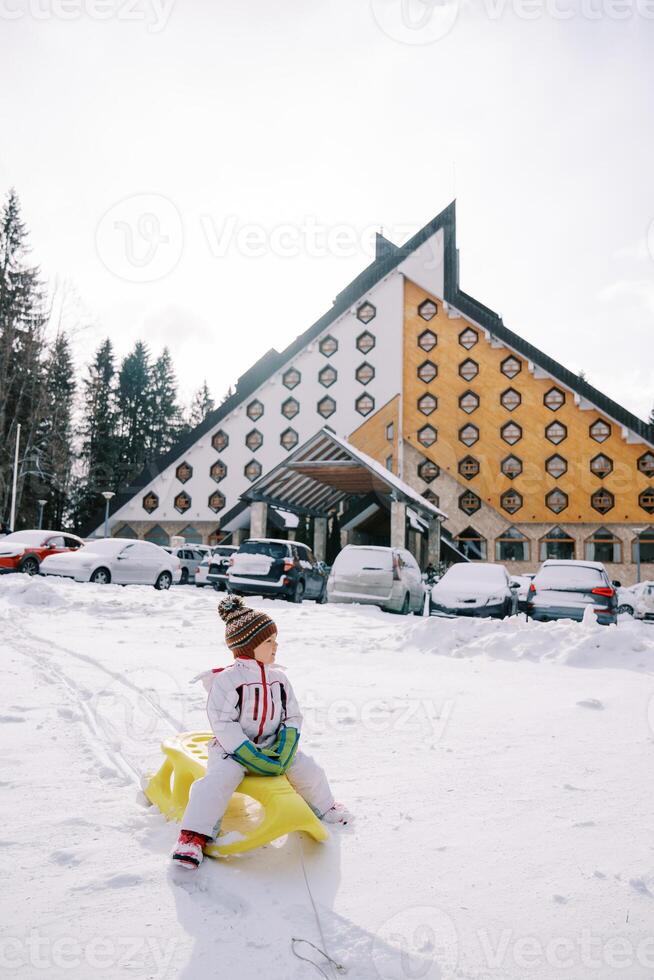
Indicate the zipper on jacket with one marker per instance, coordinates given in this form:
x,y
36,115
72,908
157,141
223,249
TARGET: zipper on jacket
x,y
265,700
256,703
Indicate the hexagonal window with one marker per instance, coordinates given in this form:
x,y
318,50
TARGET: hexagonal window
x,y
601,465
556,500
468,338
254,410
427,436
511,433
289,439
216,501
510,366
428,471
646,463
220,440
326,407
364,404
510,399
469,467
290,408
184,472
556,432
365,342
218,471
646,500
252,470
328,346
469,502
427,310
254,440
469,402
432,497
427,340
291,378
427,404
366,312
150,502
427,372
365,373
511,466
182,502
327,376
602,500
554,399
600,430
468,369
556,466
469,435
511,501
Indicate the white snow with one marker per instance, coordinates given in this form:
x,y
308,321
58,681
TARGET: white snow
x,y
500,772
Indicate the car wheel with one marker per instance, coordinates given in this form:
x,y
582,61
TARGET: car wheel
x,y
624,608
406,605
184,579
101,576
164,581
30,566
298,594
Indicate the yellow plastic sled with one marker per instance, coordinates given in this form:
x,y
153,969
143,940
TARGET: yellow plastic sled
x,y
280,809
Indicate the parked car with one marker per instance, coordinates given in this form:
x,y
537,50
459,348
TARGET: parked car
x,y
23,551
565,589
522,582
190,560
268,566
122,561
637,600
475,589
378,576
215,566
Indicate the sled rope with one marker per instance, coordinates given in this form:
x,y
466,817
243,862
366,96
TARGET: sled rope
x,y
339,966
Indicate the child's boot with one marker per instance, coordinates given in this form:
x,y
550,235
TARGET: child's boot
x,y
337,814
188,850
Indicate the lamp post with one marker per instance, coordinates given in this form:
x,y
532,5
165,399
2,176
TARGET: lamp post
x,y
41,504
107,494
12,519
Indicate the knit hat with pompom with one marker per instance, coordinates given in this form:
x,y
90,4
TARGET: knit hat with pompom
x,y
245,628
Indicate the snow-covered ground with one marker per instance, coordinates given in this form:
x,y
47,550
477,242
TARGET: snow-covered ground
x,y
500,772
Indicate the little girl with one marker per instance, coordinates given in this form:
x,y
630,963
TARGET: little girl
x,y
256,720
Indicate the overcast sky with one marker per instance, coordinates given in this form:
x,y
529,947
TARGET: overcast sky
x,y
208,175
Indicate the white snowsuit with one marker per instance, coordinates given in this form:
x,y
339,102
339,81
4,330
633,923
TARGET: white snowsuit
x,y
248,701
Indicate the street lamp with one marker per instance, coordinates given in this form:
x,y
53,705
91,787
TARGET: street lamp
x,y
107,494
41,504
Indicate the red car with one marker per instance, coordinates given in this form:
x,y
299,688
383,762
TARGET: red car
x,y
23,551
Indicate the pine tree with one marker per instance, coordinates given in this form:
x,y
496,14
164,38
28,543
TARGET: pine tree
x,y
201,406
134,401
22,320
56,432
165,417
651,417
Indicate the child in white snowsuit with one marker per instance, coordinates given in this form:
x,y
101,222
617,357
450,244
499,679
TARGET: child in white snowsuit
x,y
256,722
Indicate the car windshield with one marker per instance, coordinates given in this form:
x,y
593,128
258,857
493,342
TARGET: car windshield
x,y
223,552
569,578
272,549
105,546
469,573
26,537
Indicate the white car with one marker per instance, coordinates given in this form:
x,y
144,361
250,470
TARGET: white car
x,y
122,561
474,589
637,600
190,559
386,577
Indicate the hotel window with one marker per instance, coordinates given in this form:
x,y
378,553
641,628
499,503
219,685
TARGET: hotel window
x,y
184,472
469,402
646,463
510,366
364,404
646,541
289,439
390,431
646,500
427,436
327,376
252,470
427,372
428,471
510,399
556,466
432,497
218,471
427,404
556,432
603,546
556,500
254,410
150,502
511,433
290,408
427,340
326,407
216,501
366,312
389,463
600,431
469,435
601,465
291,378
469,502
365,342
557,544
468,338
471,544
512,545
511,466
468,369
469,467
182,502
365,373
511,501
254,440
328,346
554,399
220,441
427,310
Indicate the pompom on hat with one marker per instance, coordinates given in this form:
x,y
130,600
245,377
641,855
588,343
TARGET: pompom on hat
x,y
245,628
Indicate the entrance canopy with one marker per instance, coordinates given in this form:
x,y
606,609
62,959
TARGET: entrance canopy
x,y
327,470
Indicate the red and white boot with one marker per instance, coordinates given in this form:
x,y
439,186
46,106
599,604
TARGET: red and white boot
x,y
188,850
337,814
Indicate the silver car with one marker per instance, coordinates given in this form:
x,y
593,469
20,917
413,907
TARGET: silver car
x,y
189,559
386,577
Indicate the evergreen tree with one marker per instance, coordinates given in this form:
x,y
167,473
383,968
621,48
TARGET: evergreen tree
x,y
22,395
165,417
201,406
333,538
651,417
304,533
134,403
228,394
56,432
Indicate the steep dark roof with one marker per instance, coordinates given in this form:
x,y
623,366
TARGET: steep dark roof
x,y
388,257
